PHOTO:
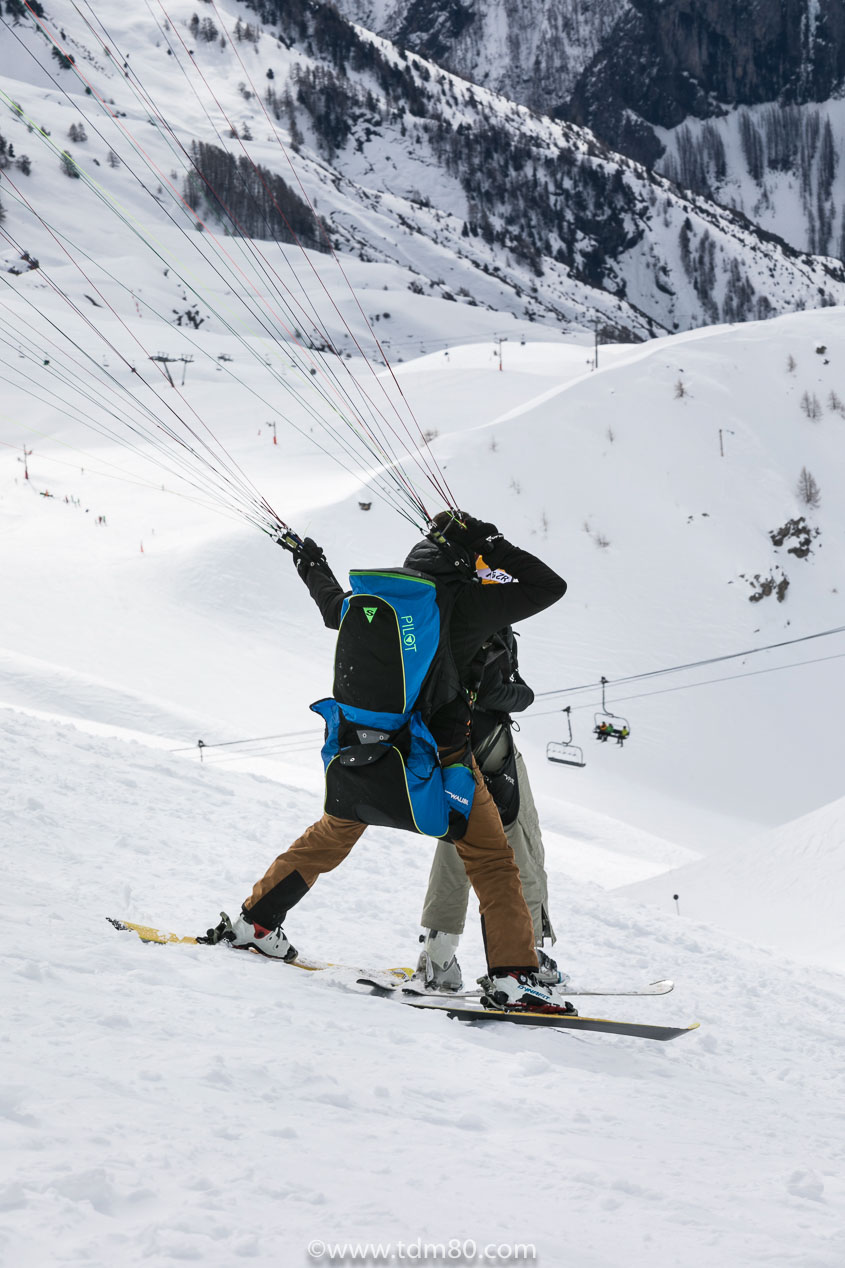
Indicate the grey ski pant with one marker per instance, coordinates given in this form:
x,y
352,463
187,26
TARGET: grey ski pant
x,y
446,900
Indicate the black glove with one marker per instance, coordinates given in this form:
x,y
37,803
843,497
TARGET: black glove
x,y
466,532
309,555
481,534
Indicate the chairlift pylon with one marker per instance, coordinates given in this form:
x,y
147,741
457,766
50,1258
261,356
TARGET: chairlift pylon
x,y
564,751
610,726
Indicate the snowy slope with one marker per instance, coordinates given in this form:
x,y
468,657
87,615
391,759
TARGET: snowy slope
x,y
686,533
627,462
163,1108
783,888
164,1104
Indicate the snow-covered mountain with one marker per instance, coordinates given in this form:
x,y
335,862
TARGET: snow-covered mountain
x,y
533,52
740,104
668,59
483,201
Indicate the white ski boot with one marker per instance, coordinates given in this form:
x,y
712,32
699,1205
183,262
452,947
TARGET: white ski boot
x,y
522,991
245,935
548,974
438,967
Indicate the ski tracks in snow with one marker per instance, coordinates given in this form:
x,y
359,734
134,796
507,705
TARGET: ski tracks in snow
x,y
164,1103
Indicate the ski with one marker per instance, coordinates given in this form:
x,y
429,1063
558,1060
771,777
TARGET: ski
x,y
415,987
381,979
476,1013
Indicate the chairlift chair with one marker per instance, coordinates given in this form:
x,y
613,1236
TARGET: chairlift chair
x,y
564,751
610,726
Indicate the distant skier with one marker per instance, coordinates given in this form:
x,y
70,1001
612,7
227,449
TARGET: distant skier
x,y
447,555
501,692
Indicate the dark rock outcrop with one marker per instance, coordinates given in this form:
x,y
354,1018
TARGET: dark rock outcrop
x,y
668,59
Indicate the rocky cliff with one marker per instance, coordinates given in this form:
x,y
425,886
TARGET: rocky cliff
x,y
666,60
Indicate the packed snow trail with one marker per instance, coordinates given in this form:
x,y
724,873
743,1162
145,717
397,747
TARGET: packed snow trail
x,y
165,1103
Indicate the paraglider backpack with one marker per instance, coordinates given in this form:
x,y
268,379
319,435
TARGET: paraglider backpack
x,y
393,668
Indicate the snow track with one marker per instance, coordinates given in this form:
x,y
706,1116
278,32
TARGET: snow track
x,y
162,1104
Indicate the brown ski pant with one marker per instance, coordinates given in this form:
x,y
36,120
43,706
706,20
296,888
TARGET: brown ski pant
x,y
445,906
484,851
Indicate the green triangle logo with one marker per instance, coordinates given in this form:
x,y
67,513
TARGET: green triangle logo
x,y
369,613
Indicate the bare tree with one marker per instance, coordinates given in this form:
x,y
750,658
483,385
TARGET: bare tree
x,y
811,406
807,489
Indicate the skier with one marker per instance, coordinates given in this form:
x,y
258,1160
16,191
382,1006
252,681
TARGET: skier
x,y
447,555
501,691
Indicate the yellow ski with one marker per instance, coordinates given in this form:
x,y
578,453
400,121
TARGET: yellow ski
x,y
148,933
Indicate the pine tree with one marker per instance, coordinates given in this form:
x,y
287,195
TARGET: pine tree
x,y
68,166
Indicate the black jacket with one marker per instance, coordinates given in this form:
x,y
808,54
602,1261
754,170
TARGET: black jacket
x,y
502,690
477,613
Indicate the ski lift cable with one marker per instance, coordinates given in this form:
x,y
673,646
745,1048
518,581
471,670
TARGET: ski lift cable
x,y
577,708
259,739
96,188
352,291
688,686
696,664
265,750
263,754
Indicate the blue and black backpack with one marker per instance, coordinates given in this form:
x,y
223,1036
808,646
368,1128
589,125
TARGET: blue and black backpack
x,y
393,670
